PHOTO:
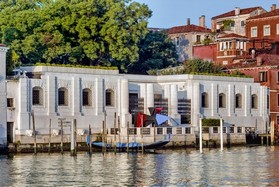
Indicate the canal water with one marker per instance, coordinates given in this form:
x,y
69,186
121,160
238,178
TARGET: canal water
x,y
240,166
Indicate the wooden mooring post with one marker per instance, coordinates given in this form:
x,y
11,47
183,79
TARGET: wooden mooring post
x,y
73,138
61,120
90,145
49,136
128,136
119,130
34,132
114,132
103,139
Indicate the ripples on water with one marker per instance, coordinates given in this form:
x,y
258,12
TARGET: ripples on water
x,y
257,166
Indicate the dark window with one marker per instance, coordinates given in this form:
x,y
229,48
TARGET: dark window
x,y
242,23
62,97
263,76
198,38
254,101
204,100
86,97
238,101
37,96
10,102
222,100
187,130
109,98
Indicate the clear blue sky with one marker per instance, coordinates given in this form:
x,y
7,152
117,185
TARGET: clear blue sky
x,y
169,13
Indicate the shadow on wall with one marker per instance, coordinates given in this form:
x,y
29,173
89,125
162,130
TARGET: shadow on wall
x,y
2,135
181,49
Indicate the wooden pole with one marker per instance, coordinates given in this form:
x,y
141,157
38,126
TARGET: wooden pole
x,y
119,138
221,134
61,136
114,132
272,132
103,138
49,136
90,145
127,136
34,133
73,138
154,131
142,149
201,135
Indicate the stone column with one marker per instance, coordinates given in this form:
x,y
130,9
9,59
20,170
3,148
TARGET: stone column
x,y
167,94
231,99
76,96
214,99
149,96
51,95
3,96
143,95
195,103
99,96
124,103
173,100
247,98
24,105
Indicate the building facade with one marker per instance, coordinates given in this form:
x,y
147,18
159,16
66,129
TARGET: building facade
x,y
185,37
48,95
263,32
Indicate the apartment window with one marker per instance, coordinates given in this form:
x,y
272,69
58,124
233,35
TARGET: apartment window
x,y
62,97
232,24
204,100
10,102
37,96
110,97
198,38
254,31
277,76
263,76
177,40
254,101
222,100
277,30
238,101
86,97
266,30
278,100
242,23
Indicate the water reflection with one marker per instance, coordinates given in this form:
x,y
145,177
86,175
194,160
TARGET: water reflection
x,y
255,166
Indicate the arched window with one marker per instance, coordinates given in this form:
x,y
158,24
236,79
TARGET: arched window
x,y
222,100
86,97
63,96
204,101
110,97
37,96
254,101
238,101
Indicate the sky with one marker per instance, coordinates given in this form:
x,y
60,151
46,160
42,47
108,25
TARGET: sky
x,y
170,13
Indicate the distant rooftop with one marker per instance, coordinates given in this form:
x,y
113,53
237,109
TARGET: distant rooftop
x,y
232,13
266,15
187,28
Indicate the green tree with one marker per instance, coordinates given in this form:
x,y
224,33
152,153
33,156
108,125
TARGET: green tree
x,y
89,32
156,52
200,66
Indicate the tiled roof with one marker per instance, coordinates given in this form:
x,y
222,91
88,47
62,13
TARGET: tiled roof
x,y
267,14
232,13
232,35
187,28
267,59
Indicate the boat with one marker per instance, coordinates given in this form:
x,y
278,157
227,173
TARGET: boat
x,y
131,145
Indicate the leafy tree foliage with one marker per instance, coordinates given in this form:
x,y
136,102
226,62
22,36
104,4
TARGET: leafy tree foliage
x,y
200,66
88,32
156,52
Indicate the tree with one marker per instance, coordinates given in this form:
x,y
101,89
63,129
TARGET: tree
x,y
156,52
88,32
200,66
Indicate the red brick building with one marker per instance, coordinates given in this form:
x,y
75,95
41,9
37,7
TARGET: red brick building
x,y
205,52
263,32
230,47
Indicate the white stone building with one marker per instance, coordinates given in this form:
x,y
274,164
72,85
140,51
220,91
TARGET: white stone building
x,y
91,96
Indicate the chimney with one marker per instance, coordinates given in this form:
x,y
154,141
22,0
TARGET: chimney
x,y
202,21
237,11
188,21
273,7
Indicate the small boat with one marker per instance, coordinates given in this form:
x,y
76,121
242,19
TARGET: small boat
x,y
131,145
